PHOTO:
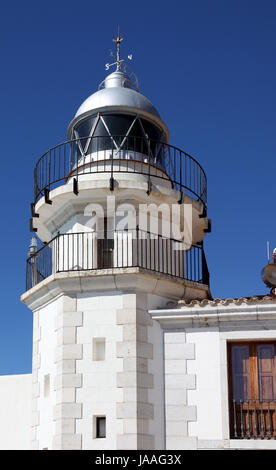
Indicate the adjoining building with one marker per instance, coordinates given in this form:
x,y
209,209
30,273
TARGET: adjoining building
x,y
130,350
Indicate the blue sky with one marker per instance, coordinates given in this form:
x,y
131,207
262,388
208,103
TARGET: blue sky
x,y
209,68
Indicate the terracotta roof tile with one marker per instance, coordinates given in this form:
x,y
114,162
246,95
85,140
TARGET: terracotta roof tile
x,y
216,302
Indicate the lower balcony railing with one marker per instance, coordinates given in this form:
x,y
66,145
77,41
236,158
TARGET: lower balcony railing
x,y
117,249
253,419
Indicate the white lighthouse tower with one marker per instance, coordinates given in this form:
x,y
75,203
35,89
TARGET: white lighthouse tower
x,y
121,215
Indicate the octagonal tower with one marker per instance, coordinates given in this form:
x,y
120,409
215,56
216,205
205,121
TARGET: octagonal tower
x,y
121,215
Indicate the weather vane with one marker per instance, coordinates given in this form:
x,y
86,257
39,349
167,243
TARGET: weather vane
x,y
118,61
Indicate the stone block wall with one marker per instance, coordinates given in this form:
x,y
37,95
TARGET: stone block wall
x,y
177,383
67,410
136,410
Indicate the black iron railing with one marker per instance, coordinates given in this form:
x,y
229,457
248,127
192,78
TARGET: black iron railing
x,y
120,249
253,419
119,154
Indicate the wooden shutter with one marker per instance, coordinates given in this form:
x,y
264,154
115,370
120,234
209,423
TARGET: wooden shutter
x,y
240,372
266,371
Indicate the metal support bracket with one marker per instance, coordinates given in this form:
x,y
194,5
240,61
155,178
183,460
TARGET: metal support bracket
x,y
46,195
32,228
34,214
75,186
209,228
111,184
204,213
181,200
149,187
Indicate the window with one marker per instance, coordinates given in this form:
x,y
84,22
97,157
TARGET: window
x,y
46,385
98,349
118,126
252,387
100,427
124,132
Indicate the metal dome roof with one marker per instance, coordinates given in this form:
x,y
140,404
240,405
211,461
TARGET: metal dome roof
x,y
117,89
117,94
119,97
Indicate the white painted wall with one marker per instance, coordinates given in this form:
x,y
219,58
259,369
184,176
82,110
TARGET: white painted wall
x,y
157,393
207,395
15,412
47,349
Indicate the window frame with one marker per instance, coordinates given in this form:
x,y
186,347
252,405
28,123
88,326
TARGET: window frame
x,y
97,426
253,408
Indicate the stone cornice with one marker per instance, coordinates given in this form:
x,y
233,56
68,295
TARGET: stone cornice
x,y
217,315
120,279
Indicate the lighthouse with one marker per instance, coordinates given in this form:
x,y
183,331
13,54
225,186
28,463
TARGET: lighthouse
x,y
120,215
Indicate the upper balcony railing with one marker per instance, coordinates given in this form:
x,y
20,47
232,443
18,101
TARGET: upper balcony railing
x,y
119,154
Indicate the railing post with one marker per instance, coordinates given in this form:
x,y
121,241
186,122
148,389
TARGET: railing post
x,y
235,419
255,422
242,431
248,421
180,170
262,420
137,245
49,171
35,184
149,180
269,422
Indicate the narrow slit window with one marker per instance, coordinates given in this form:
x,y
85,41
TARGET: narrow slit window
x,y
46,385
98,349
100,427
